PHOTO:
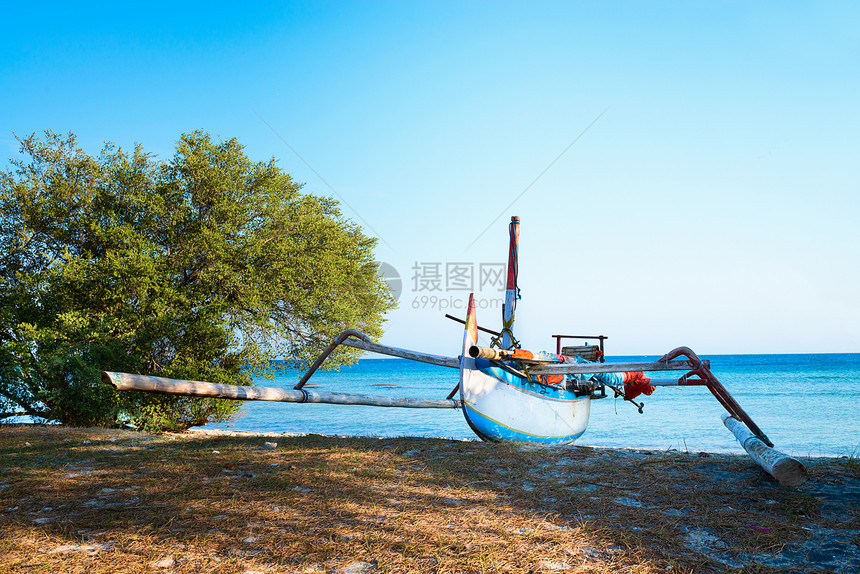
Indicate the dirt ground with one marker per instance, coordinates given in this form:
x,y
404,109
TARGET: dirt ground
x,y
95,500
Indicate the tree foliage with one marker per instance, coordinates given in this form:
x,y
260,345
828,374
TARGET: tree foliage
x,y
204,266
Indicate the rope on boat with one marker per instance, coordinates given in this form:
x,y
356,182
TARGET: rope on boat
x,y
507,329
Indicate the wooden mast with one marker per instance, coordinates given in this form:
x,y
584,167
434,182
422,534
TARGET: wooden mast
x,y
510,307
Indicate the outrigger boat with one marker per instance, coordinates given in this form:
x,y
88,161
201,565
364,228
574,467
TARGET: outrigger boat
x,y
507,393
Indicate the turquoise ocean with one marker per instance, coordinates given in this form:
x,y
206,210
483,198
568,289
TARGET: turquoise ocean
x,y
809,405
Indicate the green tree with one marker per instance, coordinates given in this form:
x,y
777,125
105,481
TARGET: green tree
x,y
204,266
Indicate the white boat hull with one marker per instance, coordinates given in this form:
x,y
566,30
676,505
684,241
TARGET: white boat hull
x,y
500,406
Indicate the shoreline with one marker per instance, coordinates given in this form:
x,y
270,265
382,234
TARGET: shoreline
x,y
201,431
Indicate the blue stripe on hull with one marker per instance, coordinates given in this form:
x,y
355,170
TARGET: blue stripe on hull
x,y
491,430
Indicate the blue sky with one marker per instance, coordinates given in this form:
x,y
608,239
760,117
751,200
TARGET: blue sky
x,y
687,172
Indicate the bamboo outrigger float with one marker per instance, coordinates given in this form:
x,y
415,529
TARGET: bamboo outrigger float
x,y
507,393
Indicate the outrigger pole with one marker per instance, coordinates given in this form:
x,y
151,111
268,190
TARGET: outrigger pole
x,y
361,341
129,382
787,470
698,374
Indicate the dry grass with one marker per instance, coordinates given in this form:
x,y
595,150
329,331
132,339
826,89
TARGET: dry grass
x,y
75,500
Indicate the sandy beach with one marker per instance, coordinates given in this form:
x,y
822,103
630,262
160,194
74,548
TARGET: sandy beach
x,y
95,500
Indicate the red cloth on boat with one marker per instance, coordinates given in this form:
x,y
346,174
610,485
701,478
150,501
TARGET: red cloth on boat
x,y
551,379
636,384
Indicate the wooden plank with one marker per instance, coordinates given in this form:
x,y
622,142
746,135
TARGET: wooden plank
x,y
584,368
588,353
130,382
451,362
